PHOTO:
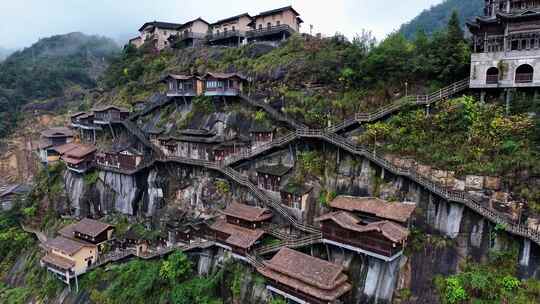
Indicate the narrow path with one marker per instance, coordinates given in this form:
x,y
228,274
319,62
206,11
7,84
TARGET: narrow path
x,y
39,234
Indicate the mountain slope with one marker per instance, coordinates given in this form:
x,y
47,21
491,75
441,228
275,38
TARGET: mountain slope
x,y
436,17
47,68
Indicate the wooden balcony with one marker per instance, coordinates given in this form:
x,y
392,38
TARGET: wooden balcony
x,y
190,35
269,31
524,77
222,92
181,93
225,35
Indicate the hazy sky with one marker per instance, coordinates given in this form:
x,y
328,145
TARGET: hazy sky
x,y
25,21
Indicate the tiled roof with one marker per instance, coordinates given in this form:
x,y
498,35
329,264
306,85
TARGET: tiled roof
x,y
296,189
57,132
390,230
79,151
239,236
109,107
231,18
277,11
90,227
16,189
161,25
316,277
277,170
196,132
189,23
400,212
224,75
248,213
77,114
65,148
58,261
63,244
180,77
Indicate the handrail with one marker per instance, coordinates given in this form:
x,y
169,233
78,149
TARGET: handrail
x,y
381,112
330,136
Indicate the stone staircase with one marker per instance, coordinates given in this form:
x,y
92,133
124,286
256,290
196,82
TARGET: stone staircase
x,y
329,135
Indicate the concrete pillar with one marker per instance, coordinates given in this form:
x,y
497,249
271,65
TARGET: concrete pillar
x,y
508,100
427,110
482,96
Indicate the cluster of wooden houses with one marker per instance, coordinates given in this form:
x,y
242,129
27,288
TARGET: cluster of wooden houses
x,y
269,26
209,84
359,224
77,247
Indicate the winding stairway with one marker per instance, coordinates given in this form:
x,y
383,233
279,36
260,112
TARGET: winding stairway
x,y
329,135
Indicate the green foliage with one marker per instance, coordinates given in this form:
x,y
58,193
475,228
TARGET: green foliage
x,y
46,69
14,295
311,163
176,268
90,179
223,187
436,17
463,136
278,300
204,105
492,282
325,197
138,282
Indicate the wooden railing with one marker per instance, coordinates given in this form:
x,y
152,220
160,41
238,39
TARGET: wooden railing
x,y
294,243
269,30
330,136
381,112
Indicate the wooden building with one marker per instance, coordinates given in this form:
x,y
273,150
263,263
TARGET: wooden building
x,y
301,278
124,158
50,139
506,42
230,31
223,84
78,158
383,239
247,216
195,144
191,33
274,25
89,230
156,34
372,209
230,147
183,85
109,114
295,196
238,239
78,247
68,258
84,122
269,177
12,194
261,133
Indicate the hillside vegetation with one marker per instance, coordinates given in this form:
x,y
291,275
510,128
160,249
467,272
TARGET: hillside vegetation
x,y
435,18
318,80
47,68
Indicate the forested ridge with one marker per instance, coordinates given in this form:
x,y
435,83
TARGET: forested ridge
x,y
435,18
46,68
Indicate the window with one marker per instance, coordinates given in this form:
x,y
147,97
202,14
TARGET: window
x,y
233,28
260,26
278,23
269,25
171,85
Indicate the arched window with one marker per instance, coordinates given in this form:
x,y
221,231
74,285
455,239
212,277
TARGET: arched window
x,y
524,73
492,75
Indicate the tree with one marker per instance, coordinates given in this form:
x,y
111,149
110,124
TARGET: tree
x,y
176,267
